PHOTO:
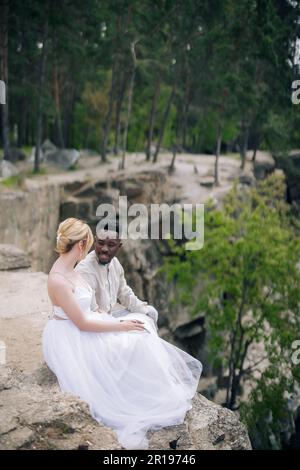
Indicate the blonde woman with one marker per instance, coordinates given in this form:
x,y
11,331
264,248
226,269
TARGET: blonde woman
x,y
132,379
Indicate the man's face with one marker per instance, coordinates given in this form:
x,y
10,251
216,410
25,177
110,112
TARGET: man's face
x,y
106,245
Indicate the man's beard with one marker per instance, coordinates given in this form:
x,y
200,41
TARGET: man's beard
x,y
104,262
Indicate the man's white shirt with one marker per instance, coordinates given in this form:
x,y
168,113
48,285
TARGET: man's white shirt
x,y
111,291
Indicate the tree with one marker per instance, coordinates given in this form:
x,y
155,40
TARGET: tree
x,y
129,105
4,5
250,278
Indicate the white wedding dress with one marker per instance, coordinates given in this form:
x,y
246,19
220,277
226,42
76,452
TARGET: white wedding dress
x,y
133,381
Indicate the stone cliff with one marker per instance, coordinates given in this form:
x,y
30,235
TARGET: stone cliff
x,y
34,414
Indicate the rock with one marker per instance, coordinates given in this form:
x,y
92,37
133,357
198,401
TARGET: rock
x,y
191,328
48,146
262,169
17,439
64,158
12,257
215,428
29,220
146,187
42,417
207,182
51,154
247,178
7,169
35,414
74,207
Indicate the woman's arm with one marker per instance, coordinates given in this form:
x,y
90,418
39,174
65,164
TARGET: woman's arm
x,y
64,298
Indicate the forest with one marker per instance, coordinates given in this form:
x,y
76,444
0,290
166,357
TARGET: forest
x,y
195,75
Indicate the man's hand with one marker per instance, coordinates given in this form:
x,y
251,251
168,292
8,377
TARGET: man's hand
x,y
152,313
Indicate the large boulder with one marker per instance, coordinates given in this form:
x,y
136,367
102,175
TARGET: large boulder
x,y
50,154
48,146
35,414
12,257
64,158
8,169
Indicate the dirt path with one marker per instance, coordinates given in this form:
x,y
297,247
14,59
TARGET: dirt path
x,y
185,180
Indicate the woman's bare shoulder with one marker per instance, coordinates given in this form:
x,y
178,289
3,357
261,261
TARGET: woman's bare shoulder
x,y
57,280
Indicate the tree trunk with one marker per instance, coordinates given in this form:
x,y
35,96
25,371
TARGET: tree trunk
x,y
68,114
172,165
152,120
119,104
130,95
108,118
237,355
4,74
244,147
256,145
58,122
218,151
164,123
22,123
185,110
39,121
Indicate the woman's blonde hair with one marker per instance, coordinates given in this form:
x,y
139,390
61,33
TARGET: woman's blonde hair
x,y
70,232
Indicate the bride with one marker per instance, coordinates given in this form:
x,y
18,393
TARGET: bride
x,y
131,378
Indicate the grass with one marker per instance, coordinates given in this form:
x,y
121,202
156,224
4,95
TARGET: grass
x,y
16,181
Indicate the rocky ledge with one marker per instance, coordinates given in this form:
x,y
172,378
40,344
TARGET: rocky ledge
x,y
34,414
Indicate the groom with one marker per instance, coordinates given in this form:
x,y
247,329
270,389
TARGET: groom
x,y
104,273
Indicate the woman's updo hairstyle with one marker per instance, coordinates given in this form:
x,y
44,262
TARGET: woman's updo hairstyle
x,y
70,232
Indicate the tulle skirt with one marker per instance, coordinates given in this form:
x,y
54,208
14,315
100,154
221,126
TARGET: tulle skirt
x,y
132,381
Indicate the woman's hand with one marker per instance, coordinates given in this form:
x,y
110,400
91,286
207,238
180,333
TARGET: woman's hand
x,y
128,325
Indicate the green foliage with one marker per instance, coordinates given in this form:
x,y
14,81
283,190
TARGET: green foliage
x,y
16,181
268,413
231,63
249,281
